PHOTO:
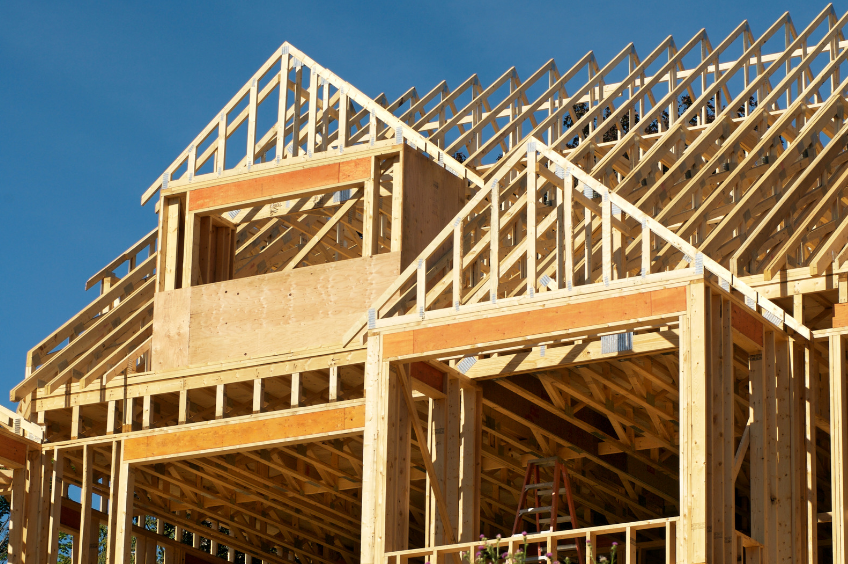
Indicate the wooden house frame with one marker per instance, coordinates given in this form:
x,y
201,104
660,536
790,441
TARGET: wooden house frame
x,y
345,345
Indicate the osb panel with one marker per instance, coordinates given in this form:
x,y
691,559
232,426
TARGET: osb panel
x,y
524,324
280,184
244,434
284,311
432,197
170,329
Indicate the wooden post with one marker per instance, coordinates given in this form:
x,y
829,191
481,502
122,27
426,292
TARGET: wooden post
x,y
184,407
169,253
715,426
531,219
811,384
397,202
16,516
759,451
220,401
781,458
770,434
453,416
32,508
44,509
296,390
114,490
370,461
371,211
334,384
838,459
494,242
75,422
126,491
470,436
147,412
56,504
111,411
694,486
436,430
728,431
398,451
129,416
258,395
85,540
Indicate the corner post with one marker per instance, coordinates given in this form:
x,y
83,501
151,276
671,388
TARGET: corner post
x,y
692,537
838,431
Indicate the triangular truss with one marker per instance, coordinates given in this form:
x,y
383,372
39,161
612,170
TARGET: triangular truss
x,y
734,154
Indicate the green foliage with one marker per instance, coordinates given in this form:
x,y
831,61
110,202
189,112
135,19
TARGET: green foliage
x,y
4,529
66,547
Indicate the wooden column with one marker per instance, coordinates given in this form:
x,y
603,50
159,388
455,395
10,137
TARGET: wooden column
x,y
782,457
335,384
805,504
184,407
398,452
759,456
728,432
694,486
123,538
838,433
811,384
111,411
114,481
44,517
258,395
85,541
220,401
436,429
147,408
33,506
16,516
129,416
720,452
371,546
771,433
296,390
397,204
453,416
56,505
371,211
470,445
170,252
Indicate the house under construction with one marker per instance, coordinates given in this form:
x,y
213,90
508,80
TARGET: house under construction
x,y
600,303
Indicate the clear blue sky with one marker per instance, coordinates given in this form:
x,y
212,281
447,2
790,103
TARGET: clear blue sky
x,y
99,97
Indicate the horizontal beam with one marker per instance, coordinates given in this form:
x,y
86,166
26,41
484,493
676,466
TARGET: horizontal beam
x,y
255,190
248,432
516,326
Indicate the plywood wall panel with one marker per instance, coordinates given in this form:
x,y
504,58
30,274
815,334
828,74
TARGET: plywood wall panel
x,y
432,196
170,329
284,311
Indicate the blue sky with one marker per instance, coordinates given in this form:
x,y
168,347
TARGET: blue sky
x,y
99,97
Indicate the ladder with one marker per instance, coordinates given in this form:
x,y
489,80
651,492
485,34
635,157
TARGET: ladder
x,y
559,486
